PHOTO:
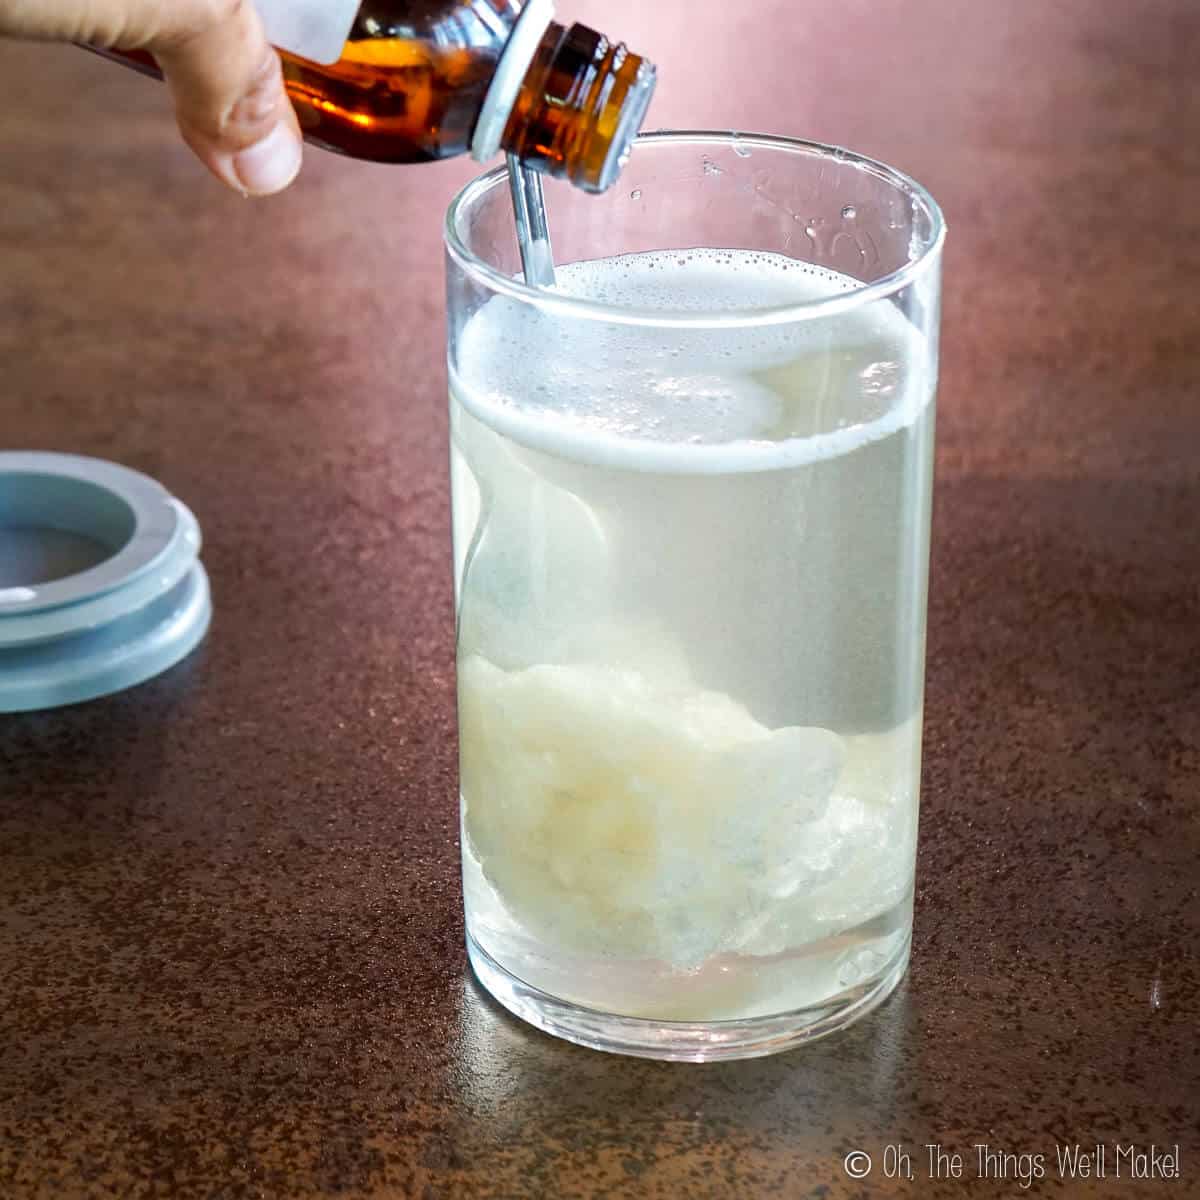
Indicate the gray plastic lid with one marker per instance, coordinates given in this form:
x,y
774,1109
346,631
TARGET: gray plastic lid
x,y
101,585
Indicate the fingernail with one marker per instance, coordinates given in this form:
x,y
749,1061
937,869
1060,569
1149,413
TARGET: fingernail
x,y
270,165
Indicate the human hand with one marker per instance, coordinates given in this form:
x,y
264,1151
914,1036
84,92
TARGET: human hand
x,y
224,75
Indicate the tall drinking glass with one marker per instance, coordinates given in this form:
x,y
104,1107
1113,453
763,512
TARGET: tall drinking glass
x,y
691,492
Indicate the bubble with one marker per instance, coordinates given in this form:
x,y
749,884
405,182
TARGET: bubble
x,y
880,378
636,194
849,212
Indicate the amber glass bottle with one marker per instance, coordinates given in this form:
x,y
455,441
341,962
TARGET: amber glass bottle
x,y
418,80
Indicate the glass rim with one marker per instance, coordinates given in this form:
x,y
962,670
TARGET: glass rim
x,y
580,307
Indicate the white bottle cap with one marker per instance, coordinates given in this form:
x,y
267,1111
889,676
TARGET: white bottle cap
x,y
510,75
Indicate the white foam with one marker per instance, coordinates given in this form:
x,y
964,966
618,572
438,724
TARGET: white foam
x,y
693,400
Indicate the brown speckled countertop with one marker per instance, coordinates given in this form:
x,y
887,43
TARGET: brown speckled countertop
x,y
231,957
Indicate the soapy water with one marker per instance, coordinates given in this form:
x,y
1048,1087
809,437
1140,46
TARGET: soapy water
x,y
690,627
553,381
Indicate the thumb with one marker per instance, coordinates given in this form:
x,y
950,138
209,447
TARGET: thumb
x,y
229,97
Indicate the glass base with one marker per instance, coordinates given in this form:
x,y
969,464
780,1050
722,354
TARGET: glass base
x,y
683,1041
